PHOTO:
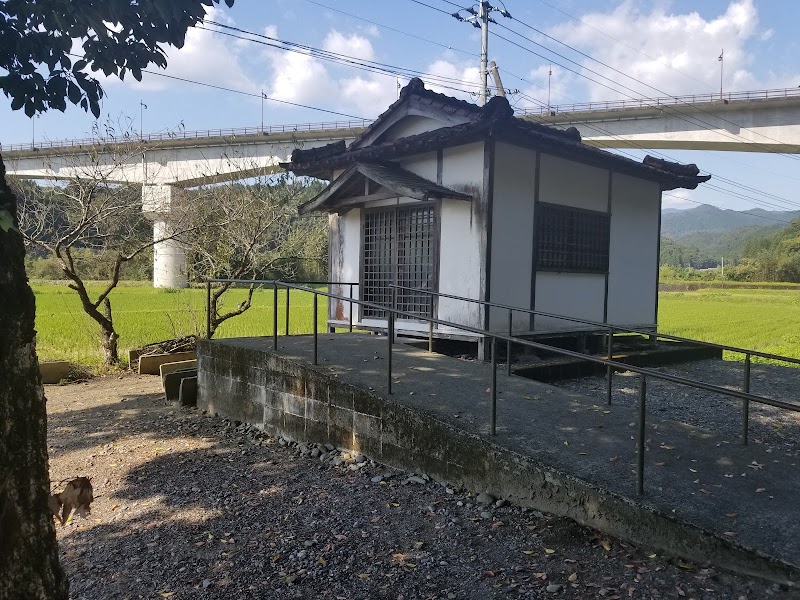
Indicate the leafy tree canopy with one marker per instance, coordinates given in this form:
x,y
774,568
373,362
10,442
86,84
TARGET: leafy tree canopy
x,y
38,69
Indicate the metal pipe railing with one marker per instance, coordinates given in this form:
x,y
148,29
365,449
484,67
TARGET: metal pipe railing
x,y
617,328
392,313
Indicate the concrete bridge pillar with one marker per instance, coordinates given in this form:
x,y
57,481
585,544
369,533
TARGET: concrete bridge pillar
x,y
169,256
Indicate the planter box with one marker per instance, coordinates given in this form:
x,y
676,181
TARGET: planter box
x,y
150,365
54,371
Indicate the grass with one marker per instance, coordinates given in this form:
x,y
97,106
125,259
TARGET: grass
x,y
760,319
143,315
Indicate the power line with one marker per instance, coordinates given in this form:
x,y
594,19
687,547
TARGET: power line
x,y
241,92
412,35
601,32
432,7
343,59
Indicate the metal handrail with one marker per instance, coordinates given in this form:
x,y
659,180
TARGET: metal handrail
x,y
556,109
393,312
618,328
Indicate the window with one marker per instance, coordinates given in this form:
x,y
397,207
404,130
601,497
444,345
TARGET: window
x,y
571,239
399,248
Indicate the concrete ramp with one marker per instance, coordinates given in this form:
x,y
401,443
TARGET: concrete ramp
x,y
555,451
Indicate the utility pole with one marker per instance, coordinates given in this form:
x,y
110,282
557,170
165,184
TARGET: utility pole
x,y
262,112
481,19
483,16
721,63
549,77
142,106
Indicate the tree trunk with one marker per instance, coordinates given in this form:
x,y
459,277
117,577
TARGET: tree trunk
x,y
109,337
29,566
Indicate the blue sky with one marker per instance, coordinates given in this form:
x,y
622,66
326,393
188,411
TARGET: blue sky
x,y
672,45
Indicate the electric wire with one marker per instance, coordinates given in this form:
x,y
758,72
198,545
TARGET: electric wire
x,y
241,92
384,26
601,32
343,59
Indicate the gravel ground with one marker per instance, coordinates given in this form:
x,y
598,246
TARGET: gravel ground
x,y
190,506
778,429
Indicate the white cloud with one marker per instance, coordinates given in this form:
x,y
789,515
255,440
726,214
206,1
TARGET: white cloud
x,y
677,199
350,45
369,95
676,53
205,57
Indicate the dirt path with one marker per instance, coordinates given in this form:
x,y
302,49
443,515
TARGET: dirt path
x,y
189,506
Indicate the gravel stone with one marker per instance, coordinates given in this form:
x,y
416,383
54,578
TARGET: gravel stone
x,y
185,508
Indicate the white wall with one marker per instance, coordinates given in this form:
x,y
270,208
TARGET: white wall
x,y
633,256
568,183
423,165
410,125
345,256
570,294
573,184
460,245
512,234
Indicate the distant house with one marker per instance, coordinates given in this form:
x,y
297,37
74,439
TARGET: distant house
x,y
444,195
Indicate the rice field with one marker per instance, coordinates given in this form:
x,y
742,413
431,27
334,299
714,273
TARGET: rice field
x,y
762,319
144,315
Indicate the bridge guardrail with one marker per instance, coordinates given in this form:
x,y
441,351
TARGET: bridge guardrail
x,y
556,109
187,135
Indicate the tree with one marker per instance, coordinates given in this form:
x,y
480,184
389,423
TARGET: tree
x,y
35,41
97,211
258,235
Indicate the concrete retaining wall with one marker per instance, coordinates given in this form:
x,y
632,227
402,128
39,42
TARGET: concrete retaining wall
x,y
297,401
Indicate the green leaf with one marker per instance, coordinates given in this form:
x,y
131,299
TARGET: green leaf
x,y
6,221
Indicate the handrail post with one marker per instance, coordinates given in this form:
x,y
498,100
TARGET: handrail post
x,y
390,336
287,310
640,444
394,307
430,330
316,327
351,309
746,403
493,414
275,316
508,343
208,310
609,368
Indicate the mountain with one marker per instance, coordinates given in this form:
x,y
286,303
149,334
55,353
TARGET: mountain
x,y
676,224
702,236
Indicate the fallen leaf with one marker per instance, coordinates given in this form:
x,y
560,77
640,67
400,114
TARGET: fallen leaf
x,y
731,515
528,552
759,490
573,577
549,551
606,545
729,533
